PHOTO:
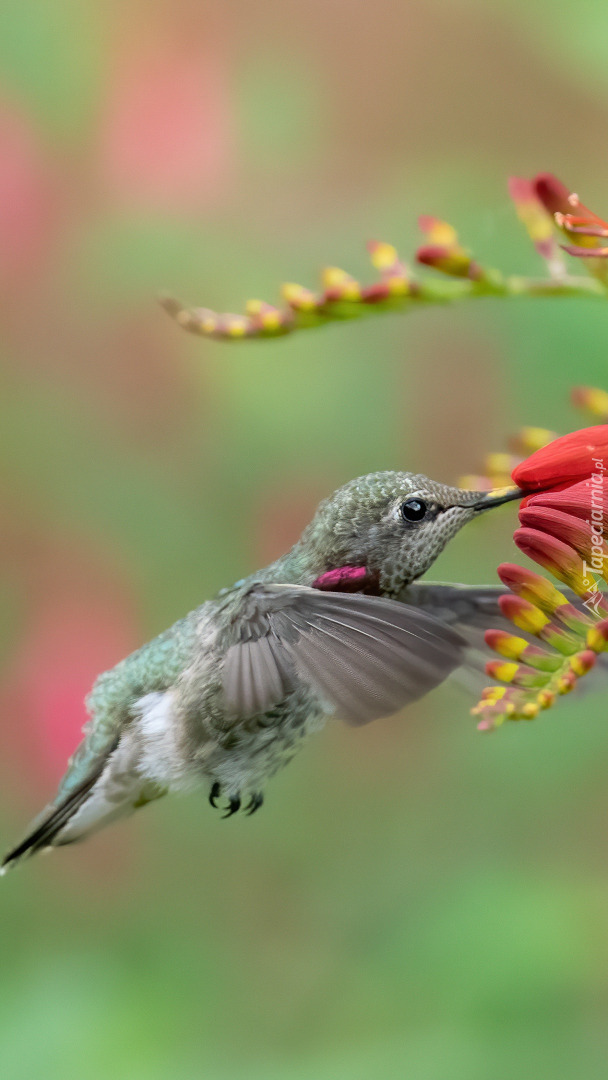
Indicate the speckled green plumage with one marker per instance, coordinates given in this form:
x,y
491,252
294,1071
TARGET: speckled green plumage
x,y
153,667
165,717
345,529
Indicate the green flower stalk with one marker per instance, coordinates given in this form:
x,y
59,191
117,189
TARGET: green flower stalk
x,y
544,206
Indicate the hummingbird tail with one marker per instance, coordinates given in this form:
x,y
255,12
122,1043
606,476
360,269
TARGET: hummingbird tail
x,y
45,828
111,789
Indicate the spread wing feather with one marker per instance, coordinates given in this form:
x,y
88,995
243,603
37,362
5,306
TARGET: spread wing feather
x,y
473,609
366,656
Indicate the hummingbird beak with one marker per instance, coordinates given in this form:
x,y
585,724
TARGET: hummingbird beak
x,y
498,497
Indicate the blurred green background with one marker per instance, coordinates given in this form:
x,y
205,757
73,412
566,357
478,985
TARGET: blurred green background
x,y
416,900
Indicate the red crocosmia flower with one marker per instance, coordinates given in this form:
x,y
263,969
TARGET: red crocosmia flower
x,y
588,231
575,531
537,220
558,199
572,457
588,499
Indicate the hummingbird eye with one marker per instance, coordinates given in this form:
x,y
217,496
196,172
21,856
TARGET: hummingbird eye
x,y
413,510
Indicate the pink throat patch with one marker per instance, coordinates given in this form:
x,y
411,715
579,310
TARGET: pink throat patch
x,y
347,579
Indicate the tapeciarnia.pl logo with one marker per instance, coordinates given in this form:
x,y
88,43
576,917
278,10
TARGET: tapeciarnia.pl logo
x,y
596,521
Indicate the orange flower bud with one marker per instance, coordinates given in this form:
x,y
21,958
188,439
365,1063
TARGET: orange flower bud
x,y
592,399
523,614
562,561
532,587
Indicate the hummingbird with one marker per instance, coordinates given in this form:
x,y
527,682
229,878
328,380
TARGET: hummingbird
x,y
226,696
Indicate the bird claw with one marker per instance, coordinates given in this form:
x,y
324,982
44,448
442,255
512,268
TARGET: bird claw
x,y
233,806
254,804
234,802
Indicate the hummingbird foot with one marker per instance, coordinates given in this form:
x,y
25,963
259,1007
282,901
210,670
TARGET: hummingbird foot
x,y
233,806
254,804
234,802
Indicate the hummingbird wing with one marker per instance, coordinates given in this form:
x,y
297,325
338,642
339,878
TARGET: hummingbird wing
x,y
473,609
366,656
470,610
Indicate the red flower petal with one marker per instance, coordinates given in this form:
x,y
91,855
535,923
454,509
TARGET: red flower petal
x,y
558,199
574,531
552,193
572,457
587,499
535,217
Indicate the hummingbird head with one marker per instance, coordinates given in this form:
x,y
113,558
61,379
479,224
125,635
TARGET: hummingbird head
x,y
394,524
